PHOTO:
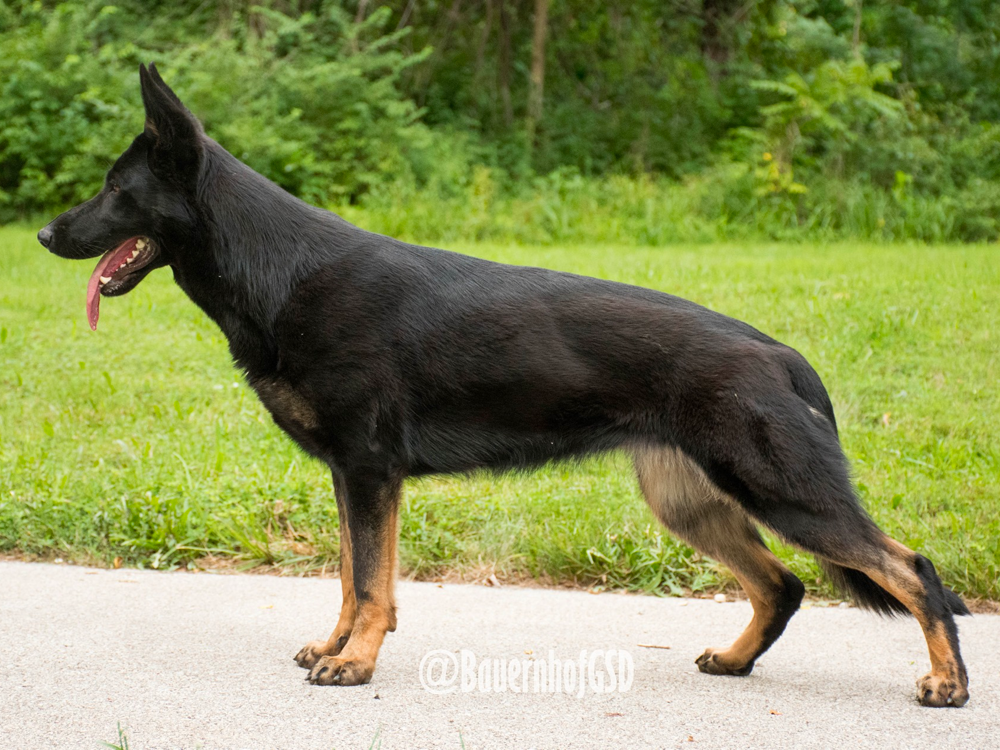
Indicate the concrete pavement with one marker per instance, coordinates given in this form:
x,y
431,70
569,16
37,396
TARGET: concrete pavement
x,y
203,660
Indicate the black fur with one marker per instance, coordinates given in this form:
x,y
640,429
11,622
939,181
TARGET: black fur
x,y
788,602
387,360
863,590
941,598
869,595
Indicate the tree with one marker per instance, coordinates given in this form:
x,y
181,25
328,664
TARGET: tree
x,y
537,87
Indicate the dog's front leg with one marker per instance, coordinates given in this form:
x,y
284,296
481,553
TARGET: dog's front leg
x,y
372,529
313,651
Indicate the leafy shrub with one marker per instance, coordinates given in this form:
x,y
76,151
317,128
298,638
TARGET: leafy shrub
x,y
801,134
311,102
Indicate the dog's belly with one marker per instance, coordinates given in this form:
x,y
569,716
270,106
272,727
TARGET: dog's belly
x,y
459,450
519,438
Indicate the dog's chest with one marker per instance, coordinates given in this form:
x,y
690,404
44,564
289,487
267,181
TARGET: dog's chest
x,y
290,410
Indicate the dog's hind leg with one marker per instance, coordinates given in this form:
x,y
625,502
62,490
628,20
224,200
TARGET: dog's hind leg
x,y
687,503
314,650
782,462
372,511
888,576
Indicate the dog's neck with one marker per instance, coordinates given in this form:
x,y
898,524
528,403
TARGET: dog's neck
x,y
258,244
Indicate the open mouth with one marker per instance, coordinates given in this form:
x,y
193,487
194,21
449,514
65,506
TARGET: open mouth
x,y
117,272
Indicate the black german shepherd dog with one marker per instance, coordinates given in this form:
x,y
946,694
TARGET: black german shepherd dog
x,y
387,360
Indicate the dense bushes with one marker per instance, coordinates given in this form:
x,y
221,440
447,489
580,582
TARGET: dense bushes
x,y
310,102
782,119
722,203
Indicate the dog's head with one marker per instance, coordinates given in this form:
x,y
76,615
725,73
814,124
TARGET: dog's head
x,y
146,210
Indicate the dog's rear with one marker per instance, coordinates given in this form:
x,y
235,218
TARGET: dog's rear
x,y
777,463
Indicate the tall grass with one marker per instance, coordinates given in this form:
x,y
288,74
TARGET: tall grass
x,y
731,202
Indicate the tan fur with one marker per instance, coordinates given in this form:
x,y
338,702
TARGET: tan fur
x,y
893,568
334,662
285,403
689,504
355,664
315,650
747,646
392,560
672,482
361,652
349,609
897,575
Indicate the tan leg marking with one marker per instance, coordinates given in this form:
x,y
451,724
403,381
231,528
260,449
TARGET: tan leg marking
x,y
313,651
738,659
375,616
392,558
689,504
355,665
946,683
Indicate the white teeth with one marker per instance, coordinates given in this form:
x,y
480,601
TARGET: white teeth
x,y
105,279
139,244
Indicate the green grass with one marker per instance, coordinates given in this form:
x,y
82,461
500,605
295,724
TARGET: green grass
x,y
140,441
122,740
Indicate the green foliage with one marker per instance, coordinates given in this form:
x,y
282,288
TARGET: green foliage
x,y
661,121
64,110
831,105
312,102
729,201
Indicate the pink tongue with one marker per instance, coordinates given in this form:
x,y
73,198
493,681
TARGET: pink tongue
x,y
110,260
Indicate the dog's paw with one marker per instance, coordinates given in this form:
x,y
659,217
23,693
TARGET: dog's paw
x,y
714,662
311,653
939,691
332,670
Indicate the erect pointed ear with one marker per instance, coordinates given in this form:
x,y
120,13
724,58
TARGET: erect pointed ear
x,y
174,133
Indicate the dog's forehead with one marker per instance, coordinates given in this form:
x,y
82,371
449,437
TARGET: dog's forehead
x,y
132,159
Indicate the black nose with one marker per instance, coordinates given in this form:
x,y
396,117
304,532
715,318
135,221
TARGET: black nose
x,y
45,236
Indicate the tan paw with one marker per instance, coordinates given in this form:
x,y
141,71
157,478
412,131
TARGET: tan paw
x,y
940,691
313,651
332,670
715,662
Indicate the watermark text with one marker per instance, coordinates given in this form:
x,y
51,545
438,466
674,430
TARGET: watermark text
x,y
600,671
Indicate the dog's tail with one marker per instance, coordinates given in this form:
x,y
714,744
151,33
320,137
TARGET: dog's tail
x,y
869,595
863,590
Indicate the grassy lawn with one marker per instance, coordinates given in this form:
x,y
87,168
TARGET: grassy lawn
x,y
142,442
